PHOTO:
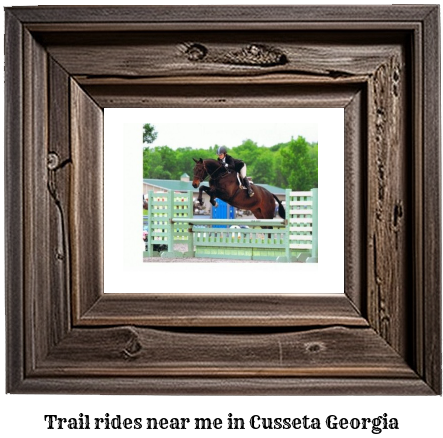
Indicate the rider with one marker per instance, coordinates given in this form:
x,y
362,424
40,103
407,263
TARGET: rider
x,y
234,164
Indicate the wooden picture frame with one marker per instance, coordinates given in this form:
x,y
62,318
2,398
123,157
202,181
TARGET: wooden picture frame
x,y
65,64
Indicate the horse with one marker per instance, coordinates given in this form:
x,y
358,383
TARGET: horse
x,y
225,186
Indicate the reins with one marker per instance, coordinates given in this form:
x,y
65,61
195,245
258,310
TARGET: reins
x,y
211,175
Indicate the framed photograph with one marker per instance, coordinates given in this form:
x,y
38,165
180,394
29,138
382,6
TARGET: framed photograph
x,y
376,332
251,157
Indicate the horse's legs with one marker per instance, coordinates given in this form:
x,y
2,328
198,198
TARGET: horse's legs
x,y
210,193
206,190
257,213
200,194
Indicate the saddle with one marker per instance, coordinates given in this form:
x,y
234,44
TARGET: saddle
x,y
240,182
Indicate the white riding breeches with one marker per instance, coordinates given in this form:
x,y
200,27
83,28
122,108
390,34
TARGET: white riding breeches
x,y
243,171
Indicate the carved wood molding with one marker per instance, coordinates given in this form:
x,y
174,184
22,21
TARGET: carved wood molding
x,y
259,55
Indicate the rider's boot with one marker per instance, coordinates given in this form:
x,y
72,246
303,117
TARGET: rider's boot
x,y
247,185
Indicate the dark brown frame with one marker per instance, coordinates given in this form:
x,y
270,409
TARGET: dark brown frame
x,y
64,65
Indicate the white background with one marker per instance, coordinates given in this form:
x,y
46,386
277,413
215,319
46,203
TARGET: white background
x,y
124,267
22,415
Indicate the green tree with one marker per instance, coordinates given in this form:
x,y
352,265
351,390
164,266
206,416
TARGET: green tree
x,y
279,178
149,133
247,151
185,159
288,165
298,166
149,136
264,167
159,172
146,167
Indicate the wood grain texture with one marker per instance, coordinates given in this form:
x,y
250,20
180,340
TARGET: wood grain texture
x,y
167,54
59,167
14,205
388,203
226,96
129,351
222,14
227,386
86,208
239,310
355,190
64,335
431,316
36,219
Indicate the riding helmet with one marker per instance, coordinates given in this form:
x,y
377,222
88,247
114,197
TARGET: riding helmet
x,y
222,150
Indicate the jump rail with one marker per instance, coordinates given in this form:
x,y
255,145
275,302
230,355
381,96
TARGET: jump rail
x,y
292,239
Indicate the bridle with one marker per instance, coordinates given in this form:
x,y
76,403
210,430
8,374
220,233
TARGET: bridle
x,y
211,175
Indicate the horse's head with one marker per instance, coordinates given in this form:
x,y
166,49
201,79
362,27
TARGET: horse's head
x,y
200,173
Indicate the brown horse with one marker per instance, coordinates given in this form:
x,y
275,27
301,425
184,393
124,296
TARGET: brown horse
x,y
225,186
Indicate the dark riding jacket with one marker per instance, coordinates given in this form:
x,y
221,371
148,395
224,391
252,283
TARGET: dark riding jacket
x,y
233,163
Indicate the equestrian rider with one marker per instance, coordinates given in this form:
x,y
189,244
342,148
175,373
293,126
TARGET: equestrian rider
x,y
236,165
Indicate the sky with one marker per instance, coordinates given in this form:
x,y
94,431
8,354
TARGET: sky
x,y
203,135
205,127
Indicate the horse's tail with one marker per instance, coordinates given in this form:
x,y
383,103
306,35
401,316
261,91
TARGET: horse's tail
x,y
281,209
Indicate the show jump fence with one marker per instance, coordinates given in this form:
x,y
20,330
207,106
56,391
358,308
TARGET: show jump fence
x,y
294,239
